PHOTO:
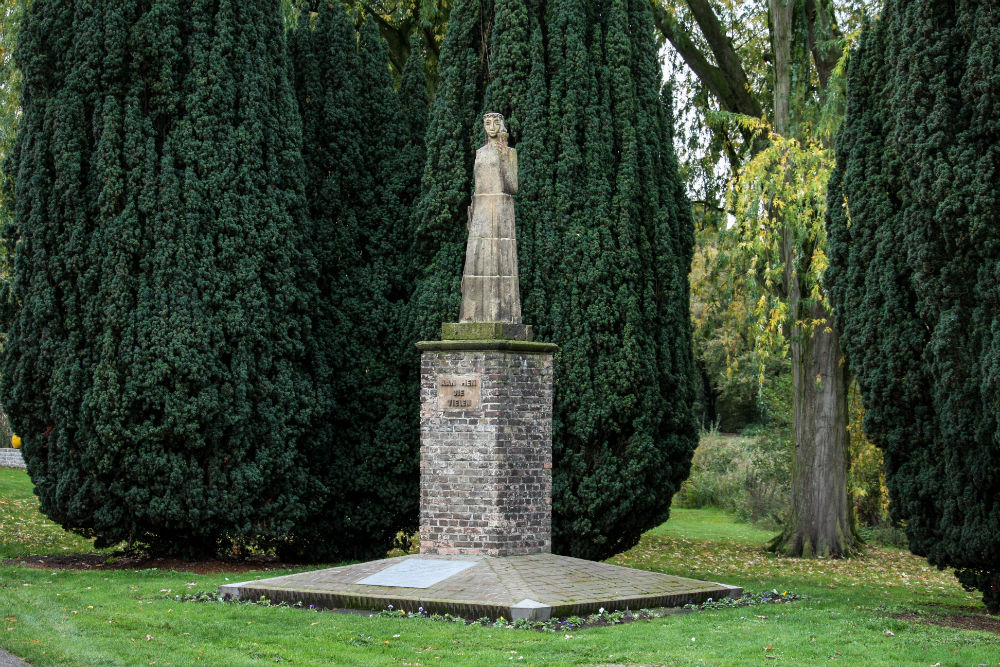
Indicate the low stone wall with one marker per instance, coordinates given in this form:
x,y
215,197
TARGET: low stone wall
x,y
11,458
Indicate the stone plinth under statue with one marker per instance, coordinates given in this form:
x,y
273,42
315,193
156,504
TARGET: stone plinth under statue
x,y
534,586
486,461
485,447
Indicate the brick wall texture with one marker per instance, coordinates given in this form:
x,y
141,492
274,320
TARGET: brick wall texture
x,y
486,472
11,458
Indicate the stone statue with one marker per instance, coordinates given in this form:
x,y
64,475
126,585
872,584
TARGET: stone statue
x,y
490,291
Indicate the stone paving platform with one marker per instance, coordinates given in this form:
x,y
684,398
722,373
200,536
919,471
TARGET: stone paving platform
x,y
534,586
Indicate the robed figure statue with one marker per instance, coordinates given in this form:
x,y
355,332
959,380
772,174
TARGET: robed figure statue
x,y
489,282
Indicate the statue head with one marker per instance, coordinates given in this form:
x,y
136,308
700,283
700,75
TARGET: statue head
x,y
494,125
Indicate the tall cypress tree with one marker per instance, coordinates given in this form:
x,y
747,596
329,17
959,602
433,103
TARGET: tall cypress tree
x,y
604,235
915,272
453,131
409,163
359,157
155,364
624,426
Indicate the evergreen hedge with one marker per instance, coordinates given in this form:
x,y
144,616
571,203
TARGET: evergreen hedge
x,y
363,157
211,323
157,359
915,272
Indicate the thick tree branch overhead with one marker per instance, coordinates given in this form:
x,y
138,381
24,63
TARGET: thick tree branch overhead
x,y
725,56
707,73
825,38
727,81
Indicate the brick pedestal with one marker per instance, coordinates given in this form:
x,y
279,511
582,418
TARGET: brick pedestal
x,y
486,447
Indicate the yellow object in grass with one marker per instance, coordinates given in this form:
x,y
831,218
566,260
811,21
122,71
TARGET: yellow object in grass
x,y
15,441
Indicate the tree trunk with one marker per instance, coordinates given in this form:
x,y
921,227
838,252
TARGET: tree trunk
x,y
821,521
5,429
781,12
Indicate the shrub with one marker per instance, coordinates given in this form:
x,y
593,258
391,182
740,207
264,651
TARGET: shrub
x,y
156,363
914,254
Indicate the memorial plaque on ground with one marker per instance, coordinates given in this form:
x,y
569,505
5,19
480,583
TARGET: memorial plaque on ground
x,y
458,392
417,573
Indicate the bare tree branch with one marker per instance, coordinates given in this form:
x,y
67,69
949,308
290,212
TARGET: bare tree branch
x,y
710,75
397,37
730,87
824,38
726,57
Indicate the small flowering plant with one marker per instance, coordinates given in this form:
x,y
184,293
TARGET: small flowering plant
x,y
746,600
603,617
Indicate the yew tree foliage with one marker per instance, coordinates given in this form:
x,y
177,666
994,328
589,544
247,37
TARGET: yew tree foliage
x,y
915,272
363,154
156,360
604,238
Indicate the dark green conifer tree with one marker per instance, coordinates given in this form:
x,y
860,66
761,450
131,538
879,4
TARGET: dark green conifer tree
x,y
604,236
359,156
915,272
155,360
415,105
453,134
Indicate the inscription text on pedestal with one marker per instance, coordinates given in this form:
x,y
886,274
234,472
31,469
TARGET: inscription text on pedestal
x,y
458,392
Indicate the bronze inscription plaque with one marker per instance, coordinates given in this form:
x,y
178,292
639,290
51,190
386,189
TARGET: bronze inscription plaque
x,y
458,392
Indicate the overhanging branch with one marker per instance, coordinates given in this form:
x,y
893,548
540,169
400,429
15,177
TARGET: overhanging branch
x,y
725,55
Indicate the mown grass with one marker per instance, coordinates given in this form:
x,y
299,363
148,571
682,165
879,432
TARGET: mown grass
x,y
131,617
710,524
23,529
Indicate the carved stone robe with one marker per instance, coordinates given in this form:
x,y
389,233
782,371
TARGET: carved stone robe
x,y
490,290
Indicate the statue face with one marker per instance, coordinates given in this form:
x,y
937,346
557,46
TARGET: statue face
x,y
492,126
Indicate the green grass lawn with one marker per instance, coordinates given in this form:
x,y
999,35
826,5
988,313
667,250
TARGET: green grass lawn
x,y
23,529
884,609
710,524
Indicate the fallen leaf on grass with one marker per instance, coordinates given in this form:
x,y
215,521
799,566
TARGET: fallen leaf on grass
x,y
890,633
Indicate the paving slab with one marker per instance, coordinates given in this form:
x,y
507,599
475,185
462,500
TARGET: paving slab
x,y
417,572
11,660
491,586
